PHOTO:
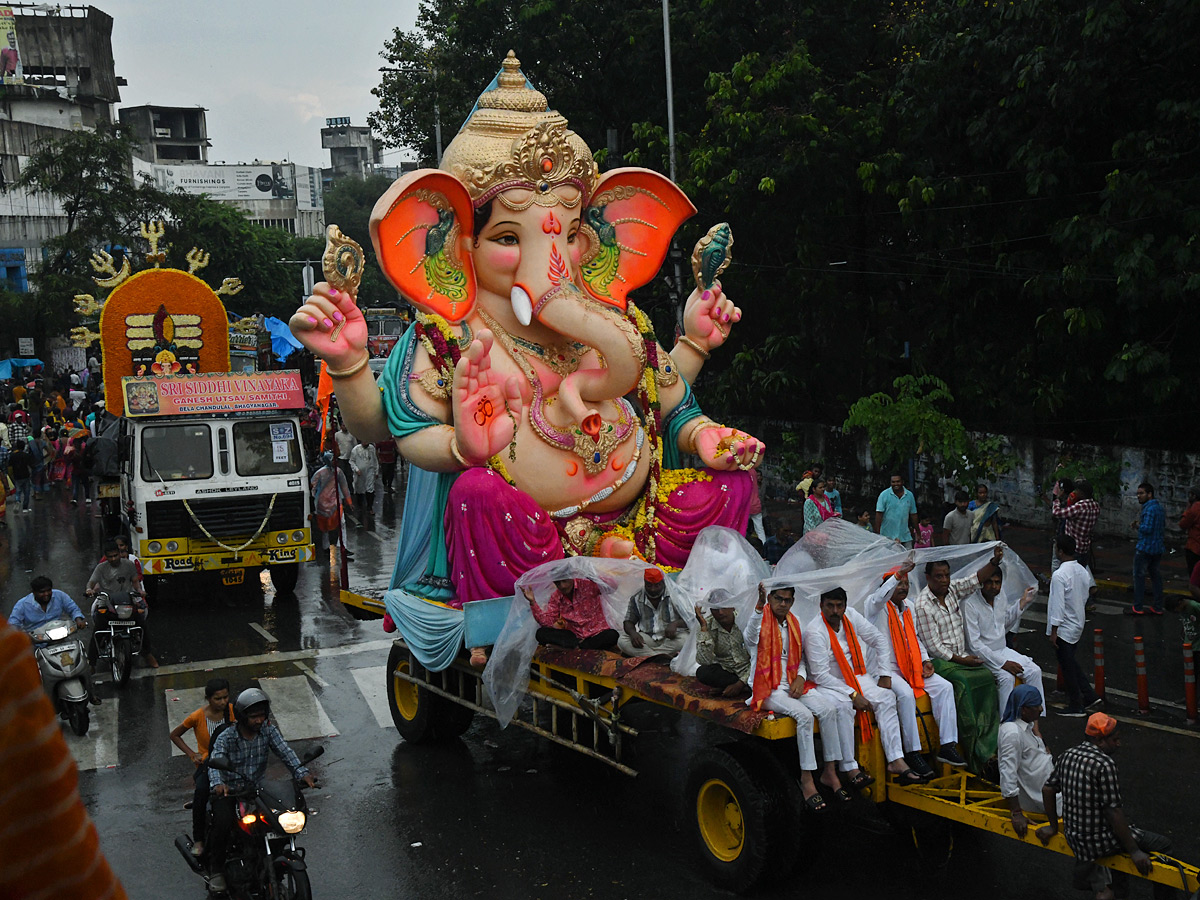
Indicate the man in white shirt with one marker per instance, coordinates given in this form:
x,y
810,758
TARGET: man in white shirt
x,y
1070,588
776,644
912,673
1024,761
986,620
836,655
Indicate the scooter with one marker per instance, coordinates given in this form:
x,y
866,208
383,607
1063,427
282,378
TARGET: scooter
x,y
118,635
263,860
65,671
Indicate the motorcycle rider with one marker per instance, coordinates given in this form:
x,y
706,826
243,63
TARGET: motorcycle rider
x,y
245,746
117,574
45,604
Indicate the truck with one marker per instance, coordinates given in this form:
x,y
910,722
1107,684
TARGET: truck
x,y
213,475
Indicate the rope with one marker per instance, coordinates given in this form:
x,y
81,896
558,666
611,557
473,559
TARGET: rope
x,y
249,541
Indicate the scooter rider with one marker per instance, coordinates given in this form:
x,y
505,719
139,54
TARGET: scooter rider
x,y
45,604
245,746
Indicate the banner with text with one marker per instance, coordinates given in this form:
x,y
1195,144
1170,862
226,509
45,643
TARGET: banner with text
x,y
209,394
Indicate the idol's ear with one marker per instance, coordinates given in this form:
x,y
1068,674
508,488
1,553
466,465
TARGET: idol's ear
x,y
628,224
417,229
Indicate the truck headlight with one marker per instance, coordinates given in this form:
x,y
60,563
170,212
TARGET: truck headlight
x,y
154,547
292,822
172,546
281,538
297,536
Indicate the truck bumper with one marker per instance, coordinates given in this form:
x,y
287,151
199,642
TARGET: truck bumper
x,y
272,556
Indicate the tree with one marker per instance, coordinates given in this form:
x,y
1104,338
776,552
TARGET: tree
x,y
348,204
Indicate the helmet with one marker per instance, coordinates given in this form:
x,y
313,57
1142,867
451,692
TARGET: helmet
x,y
249,698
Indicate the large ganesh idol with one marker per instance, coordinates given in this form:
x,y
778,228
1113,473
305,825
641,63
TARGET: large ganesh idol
x,y
514,382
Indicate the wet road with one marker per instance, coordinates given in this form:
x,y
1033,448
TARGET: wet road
x,y
504,814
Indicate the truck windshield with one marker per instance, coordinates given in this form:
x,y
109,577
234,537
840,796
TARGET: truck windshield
x,y
176,453
266,448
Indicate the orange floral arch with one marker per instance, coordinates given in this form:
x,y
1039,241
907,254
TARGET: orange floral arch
x,y
182,295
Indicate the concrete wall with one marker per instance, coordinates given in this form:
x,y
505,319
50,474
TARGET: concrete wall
x,y
1018,492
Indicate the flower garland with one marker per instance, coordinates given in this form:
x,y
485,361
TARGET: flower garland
x,y
645,521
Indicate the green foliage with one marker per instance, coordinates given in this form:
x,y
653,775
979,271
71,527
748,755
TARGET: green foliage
x,y
348,204
909,424
1102,473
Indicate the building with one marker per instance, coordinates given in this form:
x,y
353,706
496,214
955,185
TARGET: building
x,y
354,152
170,135
63,80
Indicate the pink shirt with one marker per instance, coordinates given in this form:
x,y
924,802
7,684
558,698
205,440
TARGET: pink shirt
x,y
582,613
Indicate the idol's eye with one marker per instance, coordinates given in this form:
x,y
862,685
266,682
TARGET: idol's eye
x,y
508,239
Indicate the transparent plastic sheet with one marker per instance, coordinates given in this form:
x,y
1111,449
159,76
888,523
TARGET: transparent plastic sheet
x,y
723,570
507,673
862,563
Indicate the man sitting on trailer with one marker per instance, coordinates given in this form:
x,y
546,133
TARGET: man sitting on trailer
x,y
987,619
573,617
1025,763
724,661
912,673
781,685
652,621
940,626
837,661
1094,822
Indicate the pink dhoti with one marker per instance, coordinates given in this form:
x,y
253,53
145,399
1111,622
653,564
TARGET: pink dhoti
x,y
495,533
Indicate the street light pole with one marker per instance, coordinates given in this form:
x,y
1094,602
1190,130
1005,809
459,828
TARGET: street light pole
x,y
670,92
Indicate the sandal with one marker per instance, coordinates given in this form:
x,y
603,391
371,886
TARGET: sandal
x,y
861,780
816,803
843,795
909,778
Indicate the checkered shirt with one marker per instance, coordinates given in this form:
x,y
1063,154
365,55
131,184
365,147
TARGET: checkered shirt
x,y
1086,776
250,757
1078,521
1150,528
941,627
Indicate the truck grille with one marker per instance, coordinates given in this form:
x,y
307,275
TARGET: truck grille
x,y
224,517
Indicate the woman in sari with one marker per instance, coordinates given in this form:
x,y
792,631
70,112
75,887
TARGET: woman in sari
x,y
817,508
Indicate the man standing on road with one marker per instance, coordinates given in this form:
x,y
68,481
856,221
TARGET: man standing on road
x,y
896,513
940,625
1078,518
956,527
1070,588
1148,553
987,618
1093,820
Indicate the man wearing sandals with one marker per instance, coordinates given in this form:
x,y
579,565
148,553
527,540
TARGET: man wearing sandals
x,y
837,662
781,685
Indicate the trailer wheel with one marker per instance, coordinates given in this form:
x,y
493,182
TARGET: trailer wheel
x,y
450,719
284,576
728,810
410,705
787,823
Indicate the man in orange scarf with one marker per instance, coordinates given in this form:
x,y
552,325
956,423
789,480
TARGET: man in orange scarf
x,y
912,672
837,662
781,685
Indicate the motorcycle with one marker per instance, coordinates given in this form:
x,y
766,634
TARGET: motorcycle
x,y
263,861
118,635
63,664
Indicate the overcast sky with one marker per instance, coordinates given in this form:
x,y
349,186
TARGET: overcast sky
x,y
269,72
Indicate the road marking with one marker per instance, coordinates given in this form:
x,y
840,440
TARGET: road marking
x,y
372,683
271,639
1154,701
1157,727
311,674
181,703
234,662
296,709
98,748
376,536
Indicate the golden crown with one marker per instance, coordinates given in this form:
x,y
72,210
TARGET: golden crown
x,y
513,141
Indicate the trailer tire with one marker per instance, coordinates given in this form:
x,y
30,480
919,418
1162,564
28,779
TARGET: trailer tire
x,y
284,576
727,806
787,823
450,719
411,706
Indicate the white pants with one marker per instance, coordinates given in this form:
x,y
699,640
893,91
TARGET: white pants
x,y
757,522
941,699
883,704
822,705
1031,674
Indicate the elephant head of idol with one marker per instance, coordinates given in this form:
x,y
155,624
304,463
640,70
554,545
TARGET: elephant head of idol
x,y
519,228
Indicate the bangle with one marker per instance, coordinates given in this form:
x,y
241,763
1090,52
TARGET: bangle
x,y
684,339
454,451
694,433
353,370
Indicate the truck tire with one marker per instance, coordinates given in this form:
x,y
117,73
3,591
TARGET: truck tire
x,y
727,807
284,576
410,705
